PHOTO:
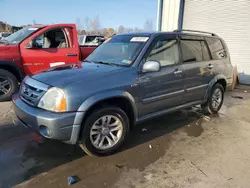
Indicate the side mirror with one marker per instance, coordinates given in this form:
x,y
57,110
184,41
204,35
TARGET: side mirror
x,y
32,44
151,66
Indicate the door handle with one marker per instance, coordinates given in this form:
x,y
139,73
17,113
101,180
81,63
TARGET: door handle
x,y
210,66
177,72
71,54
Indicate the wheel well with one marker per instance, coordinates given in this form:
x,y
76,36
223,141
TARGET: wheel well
x,y
223,83
120,102
12,70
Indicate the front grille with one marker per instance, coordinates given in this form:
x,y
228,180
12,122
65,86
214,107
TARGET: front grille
x,y
31,91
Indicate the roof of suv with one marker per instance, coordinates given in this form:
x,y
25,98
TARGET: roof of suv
x,y
155,33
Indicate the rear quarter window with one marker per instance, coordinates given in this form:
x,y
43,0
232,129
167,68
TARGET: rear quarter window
x,y
216,48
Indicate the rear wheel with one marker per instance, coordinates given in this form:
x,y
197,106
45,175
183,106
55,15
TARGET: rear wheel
x,y
215,100
8,85
104,131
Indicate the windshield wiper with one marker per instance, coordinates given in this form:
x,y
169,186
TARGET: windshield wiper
x,y
105,63
87,61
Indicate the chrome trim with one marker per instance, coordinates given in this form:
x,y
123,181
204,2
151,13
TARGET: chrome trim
x,y
159,97
36,84
196,87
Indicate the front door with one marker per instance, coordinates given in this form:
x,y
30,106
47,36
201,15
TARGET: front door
x,y
54,47
164,89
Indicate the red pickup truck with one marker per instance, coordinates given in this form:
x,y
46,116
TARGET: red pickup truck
x,y
34,49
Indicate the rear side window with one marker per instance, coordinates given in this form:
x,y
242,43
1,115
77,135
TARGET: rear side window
x,y
191,51
216,48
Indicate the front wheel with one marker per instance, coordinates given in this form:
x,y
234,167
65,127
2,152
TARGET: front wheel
x,y
104,131
8,85
215,100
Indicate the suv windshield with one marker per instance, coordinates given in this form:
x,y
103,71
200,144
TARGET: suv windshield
x,y
20,35
120,50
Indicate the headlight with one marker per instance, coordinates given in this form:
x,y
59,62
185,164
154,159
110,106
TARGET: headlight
x,y
53,100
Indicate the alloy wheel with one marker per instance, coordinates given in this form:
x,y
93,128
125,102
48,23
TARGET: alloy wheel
x,y
106,132
5,86
216,98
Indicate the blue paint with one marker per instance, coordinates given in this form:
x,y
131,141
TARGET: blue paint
x,y
71,180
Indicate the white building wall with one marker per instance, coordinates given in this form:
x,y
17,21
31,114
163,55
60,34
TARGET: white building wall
x,y
170,15
230,19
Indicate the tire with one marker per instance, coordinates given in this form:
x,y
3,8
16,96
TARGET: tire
x,y
8,85
87,141
209,107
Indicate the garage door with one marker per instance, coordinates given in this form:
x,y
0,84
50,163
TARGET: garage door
x,y
230,19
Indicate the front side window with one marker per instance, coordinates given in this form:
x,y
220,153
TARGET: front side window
x,y
120,50
165,52
52,39
191,51
216,48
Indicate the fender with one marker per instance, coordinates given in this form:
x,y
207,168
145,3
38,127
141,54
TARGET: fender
x,y
212,83
87,104
15,67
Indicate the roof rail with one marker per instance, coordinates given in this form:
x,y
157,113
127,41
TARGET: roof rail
x,y
195,31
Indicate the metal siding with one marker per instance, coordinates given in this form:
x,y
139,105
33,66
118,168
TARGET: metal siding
x,y
170,15
230,19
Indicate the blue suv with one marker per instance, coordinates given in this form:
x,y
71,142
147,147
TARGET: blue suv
x,y
128,79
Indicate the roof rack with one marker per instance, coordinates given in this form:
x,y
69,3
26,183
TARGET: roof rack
x,y
195,31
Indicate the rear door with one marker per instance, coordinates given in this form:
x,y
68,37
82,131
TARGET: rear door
x,y
58,45
164,89
220,58
197,65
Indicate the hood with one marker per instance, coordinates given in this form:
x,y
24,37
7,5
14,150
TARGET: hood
x,y
63,76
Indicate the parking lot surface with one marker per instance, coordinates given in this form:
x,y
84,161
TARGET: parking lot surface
x,y
183,149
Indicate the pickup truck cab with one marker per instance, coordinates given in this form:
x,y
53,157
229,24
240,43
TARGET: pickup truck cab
x,y
128,79
34,49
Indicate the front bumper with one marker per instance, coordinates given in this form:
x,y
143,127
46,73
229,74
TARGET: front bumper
x,y
62,126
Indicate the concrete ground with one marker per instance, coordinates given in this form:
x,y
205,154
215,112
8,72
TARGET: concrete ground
x,y
179,150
